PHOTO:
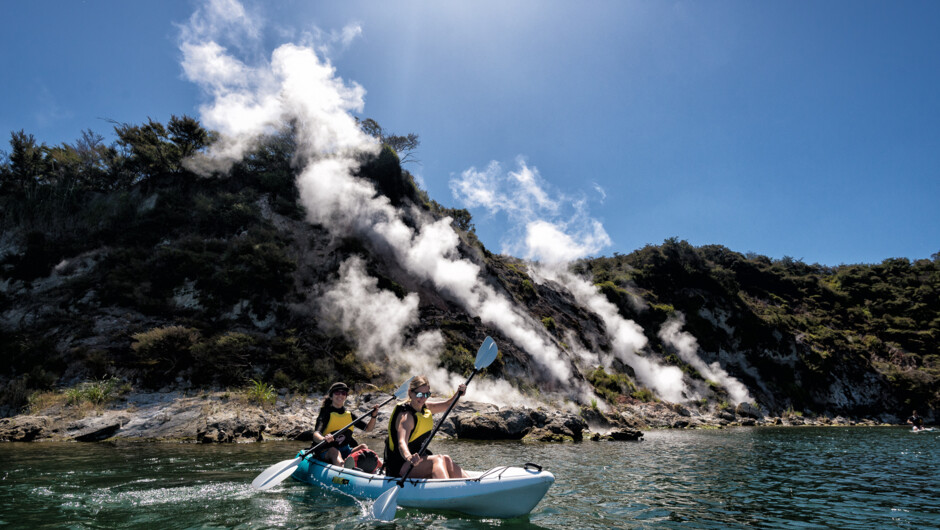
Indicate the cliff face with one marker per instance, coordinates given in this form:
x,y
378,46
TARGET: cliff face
x,y
183,282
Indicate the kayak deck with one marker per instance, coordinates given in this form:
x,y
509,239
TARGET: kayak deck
x,y
502,492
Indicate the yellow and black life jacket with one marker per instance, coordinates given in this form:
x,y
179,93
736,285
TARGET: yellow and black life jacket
x,y
331,420
337,421
424,423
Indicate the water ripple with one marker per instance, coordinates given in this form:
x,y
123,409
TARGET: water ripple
x,y
768,478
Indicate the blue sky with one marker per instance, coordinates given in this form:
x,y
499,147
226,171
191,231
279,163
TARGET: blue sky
x,y
802,129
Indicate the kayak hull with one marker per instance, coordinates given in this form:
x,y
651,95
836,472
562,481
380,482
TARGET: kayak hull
x,y
502,492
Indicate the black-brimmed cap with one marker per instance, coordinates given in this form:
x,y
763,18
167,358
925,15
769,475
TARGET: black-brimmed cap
x,y
337,386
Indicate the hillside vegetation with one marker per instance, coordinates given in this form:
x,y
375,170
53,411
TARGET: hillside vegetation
x,y
117,262
878,321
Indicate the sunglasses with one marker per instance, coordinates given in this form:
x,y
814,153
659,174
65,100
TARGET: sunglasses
x,y
422,394
340,393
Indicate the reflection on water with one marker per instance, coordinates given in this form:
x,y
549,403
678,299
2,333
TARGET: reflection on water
x,y
765,477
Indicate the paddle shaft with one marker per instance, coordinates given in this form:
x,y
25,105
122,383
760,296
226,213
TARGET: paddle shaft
x,y
436,427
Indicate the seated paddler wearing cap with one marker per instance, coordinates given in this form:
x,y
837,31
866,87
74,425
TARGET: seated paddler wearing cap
x,y
332,419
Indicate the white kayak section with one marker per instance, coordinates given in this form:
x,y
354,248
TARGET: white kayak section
x,y
500,492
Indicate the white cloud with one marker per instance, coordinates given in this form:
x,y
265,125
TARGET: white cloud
x,y
553,228
479,188
349,33
600,191
227,20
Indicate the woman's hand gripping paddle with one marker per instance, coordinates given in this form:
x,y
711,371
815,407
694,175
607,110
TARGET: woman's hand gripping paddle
x,y
276,474
385,506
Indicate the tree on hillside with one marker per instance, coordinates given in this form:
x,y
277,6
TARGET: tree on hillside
x,y
96,162
152,149
27,164
404,146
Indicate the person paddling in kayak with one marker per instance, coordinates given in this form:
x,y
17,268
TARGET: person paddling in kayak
x,y
410,424
916,421
333,417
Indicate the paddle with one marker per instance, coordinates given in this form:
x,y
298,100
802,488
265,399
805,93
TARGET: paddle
x,y
385,506
276,474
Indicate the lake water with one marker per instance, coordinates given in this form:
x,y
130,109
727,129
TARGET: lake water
x,y
858,477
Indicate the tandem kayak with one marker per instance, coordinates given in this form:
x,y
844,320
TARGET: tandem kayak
x,y
500,492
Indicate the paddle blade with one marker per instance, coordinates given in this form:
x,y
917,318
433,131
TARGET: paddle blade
x,y
385,506
403,389
275,474
486,354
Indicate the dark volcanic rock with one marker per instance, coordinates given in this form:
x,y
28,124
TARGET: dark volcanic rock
x,y
546,435
516,423
626,435
98,434
510,424
748,411
96,428
618,435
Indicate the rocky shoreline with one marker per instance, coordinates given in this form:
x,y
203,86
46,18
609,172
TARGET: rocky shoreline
x,y
226,417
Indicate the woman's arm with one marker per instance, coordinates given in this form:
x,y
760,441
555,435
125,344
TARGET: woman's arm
x,y
371,425
320,438
404,428
441,406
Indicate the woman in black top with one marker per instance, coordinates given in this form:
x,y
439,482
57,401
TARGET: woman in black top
x,y
332,419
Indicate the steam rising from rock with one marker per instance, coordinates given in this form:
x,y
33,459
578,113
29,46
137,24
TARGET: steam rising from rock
x,y
686,347
554,240
248,101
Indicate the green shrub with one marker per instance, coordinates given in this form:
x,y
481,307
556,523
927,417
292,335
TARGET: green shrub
x,y
96,392
528,289
644,394
260,393
162,353
223,359
610,386
457,359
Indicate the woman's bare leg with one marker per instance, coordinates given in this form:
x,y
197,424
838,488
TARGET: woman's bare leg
x,y
440,467
424,469
453,470
333,456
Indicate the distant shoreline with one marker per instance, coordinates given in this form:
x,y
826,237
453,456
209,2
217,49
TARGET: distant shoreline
x,y
229,417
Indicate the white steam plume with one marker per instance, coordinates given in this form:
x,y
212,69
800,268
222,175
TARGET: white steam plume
x,y
377,321
554,241
687,348
295,86
626,337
